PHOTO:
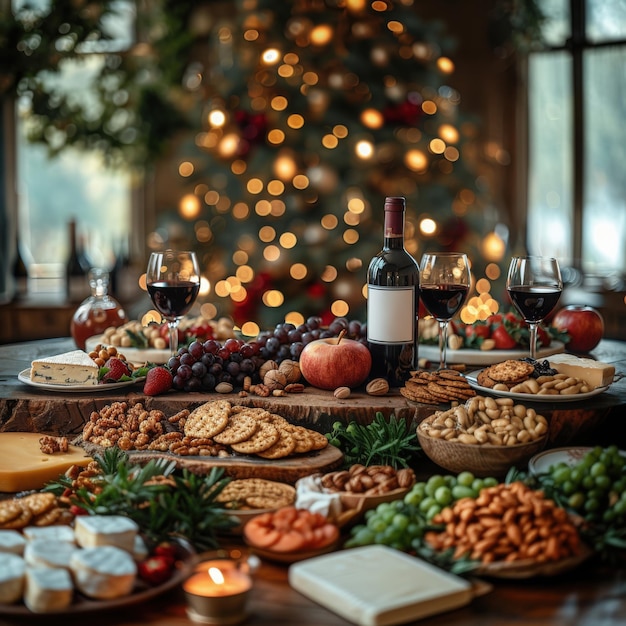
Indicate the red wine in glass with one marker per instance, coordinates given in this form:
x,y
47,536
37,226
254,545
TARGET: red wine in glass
x,y
443,301
173,282
534,303
444,285
534,285
173,299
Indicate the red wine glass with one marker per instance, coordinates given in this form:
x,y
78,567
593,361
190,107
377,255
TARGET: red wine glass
x,y
173,282
534,284
444,285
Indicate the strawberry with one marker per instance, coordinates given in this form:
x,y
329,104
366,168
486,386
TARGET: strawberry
x,y
116,370
503,339
158,380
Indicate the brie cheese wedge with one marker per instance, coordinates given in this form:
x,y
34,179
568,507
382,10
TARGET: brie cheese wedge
x,y
11,541
48,589
106,530
70,368
12,570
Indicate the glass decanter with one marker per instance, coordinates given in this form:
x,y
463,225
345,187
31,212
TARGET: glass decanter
x,y
97,312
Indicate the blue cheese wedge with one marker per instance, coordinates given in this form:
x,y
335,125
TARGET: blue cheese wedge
x,y
70,368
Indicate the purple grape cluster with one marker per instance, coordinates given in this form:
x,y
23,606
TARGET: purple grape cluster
x,y
287,341
200,366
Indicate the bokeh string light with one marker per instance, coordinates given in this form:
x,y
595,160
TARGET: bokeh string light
x,y
329,108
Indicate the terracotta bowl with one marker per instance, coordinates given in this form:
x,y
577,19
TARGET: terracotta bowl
x,y
482,460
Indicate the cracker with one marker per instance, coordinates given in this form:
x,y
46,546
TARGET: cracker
x,y
301,437
285,445
39,502
19,522
47,518
425,398
318,439
256,412
9,510
263,438
209,419
510,371
240,427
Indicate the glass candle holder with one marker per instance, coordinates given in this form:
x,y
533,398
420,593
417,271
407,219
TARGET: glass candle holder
x,y
218,589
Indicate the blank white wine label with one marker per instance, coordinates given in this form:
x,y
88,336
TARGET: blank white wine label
x,y
391,316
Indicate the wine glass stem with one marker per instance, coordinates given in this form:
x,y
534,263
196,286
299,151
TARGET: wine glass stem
x,y
443,342
533,339
173,327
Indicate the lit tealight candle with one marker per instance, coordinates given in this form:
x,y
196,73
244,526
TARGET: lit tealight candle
x,y
217,593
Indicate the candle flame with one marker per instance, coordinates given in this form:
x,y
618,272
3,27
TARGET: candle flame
x,y
216,575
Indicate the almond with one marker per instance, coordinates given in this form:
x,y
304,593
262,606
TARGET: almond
x,y
223,388
377,387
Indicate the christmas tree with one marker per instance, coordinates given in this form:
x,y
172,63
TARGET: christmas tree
x,y
312,112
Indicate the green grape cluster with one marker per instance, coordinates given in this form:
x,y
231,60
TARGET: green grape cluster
x,y
594,488
401,523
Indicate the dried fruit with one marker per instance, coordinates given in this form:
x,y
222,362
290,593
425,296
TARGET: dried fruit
x,y
377,387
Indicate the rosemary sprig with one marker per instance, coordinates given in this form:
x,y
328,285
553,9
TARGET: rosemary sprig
x,y
164,502
382,442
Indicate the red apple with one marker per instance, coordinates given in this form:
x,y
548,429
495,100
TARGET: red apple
x,y
583,324
335,362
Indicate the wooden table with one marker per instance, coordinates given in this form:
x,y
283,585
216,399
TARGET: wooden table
x,y
591,595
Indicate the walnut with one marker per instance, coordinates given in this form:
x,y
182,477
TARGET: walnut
x,y
274,379
49,444
291,370
267,367
377,387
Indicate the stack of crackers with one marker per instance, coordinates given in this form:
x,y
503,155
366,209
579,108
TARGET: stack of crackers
x,y
251,430
438,387
509,373
257,493
33,509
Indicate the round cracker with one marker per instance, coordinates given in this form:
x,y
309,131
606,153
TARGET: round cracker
x,y
240,427
9,510
285,446
263,438
39,502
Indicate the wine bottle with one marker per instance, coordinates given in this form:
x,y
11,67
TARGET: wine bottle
x,y
77,285
392,302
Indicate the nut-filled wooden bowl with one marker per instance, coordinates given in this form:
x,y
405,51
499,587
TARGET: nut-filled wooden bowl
x,y
482,460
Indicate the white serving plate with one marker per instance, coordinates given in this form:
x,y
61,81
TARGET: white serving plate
x,y
485,357
531,397
136,356
542,461
24,377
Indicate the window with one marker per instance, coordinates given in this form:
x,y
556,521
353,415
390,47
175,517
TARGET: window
x,y
73,185
577,139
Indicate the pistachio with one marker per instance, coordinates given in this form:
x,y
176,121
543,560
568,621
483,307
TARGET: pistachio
x,y
341,393
377,387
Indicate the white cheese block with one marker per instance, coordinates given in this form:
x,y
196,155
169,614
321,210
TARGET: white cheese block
x,y
378,586
12,572
44,553
49,533
595,373
140,550
12,541
104,572
105,530
70,368
48,589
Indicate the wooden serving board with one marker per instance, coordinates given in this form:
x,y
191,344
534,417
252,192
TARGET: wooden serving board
x,y
287,470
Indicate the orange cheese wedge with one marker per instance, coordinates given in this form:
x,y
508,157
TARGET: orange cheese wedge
x,y
23,466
